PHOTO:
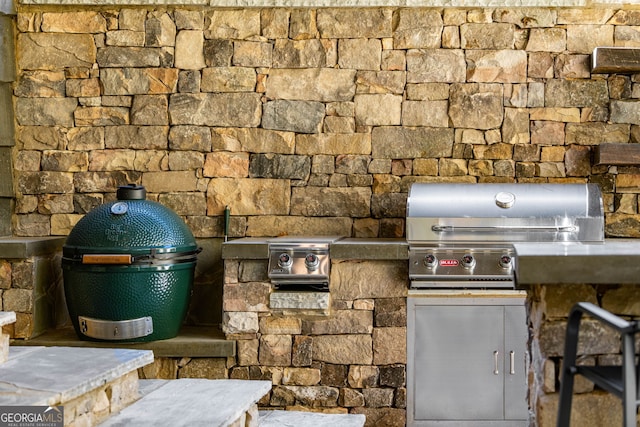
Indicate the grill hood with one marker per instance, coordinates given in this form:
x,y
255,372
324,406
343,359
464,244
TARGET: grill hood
x,y
445,213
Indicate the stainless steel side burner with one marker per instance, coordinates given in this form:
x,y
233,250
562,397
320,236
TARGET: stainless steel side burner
x,y
300,263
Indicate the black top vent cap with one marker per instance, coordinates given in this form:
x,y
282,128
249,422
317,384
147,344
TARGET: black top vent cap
x,y
131,192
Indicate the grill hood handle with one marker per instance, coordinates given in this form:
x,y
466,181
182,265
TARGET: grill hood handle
x,y
498,229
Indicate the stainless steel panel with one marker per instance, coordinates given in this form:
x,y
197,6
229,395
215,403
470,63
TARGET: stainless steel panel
x,y
439,212
116,329
515,346
451,340
454,363
448,264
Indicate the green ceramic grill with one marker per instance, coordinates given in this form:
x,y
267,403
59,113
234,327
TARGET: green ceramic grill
x,y
128,269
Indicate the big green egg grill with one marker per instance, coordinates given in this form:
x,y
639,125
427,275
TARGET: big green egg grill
x,y
128,269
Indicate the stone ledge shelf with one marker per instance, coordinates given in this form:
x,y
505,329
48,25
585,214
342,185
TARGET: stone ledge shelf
x,y
194,341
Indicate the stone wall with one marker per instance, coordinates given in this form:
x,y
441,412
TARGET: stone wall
x,y
352,359
311,121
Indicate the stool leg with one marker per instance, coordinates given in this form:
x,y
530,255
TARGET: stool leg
x,y
629,405
568,369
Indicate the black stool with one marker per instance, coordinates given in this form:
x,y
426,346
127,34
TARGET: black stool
x,y
622,381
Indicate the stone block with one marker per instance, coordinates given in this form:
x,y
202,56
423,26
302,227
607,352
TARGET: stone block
x,y
378,397
487,36
436,65
343,349
189,50
321,201
248,196
313,84
301,376
275,350
389,345
251,296
386,81
476,106
377,279
226,164
340,322
496,66
334,144
237,322
101,116
228,79
138,81
359,54
216,109
238,24
293,116
44,51
418,142
354,23
417,29
204,367
389,417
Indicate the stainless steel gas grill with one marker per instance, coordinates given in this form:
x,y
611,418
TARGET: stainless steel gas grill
x,y
462,235
467,334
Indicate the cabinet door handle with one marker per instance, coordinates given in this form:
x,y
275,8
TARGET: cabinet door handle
x,y
512,359
495,363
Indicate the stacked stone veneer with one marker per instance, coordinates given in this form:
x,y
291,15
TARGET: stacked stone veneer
x,y
316,121
311,121
350,360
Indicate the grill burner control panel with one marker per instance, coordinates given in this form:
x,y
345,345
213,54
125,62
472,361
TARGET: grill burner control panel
x,y
303,267
437,267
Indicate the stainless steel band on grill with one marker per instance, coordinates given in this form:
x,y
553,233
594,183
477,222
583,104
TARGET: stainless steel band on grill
x,y
462,235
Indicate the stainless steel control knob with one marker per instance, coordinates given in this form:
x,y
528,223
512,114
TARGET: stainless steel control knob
x,y
430,261
468,261
311,261
284,260
505,261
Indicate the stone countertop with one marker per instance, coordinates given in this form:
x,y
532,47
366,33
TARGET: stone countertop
x,y
616,261
25,247
346,248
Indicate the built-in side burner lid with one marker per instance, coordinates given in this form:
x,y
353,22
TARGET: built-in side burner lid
x,y
442,212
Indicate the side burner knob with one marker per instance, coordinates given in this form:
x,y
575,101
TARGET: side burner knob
x,y
284,260
311,261
468,261
430,261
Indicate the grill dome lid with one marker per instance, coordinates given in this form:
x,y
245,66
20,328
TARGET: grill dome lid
x,y
130,225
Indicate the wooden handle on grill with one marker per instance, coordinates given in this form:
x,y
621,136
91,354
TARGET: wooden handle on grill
x,y
107,259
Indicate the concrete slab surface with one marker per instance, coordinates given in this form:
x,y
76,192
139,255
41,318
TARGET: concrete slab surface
x,y
309,419
55,375
7,317
193,403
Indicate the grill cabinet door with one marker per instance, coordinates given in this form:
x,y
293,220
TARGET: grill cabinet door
x,y
456,362
455,376
515,378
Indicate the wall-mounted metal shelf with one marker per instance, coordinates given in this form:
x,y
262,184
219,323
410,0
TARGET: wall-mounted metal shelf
x,y
617,154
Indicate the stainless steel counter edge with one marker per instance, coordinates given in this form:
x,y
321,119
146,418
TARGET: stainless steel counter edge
x,y
616,261
348,248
